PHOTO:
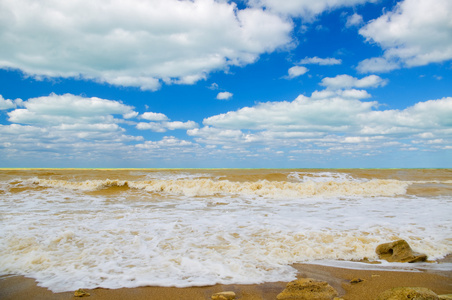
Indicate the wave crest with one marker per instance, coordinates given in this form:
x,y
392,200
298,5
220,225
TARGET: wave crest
x,y
210,187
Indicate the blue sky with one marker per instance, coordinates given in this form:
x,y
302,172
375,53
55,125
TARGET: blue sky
x,y
204,83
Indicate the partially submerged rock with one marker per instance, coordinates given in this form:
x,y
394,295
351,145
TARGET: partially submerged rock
x,y
81,293
356,280
306,289
223,296
445,297
405,293
399,251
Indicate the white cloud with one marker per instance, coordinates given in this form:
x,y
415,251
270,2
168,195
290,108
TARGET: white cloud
x,y
378,65
166,142
16,129
320,61
180,125
296,71
210,135
345,94
329,120
354,94
347,81
161,123
224,96
66,125
135,43
354,20
213,86
307,9
415,33
361,139
130,115
296,115
72,128
68,109
156,127
6,103
152,116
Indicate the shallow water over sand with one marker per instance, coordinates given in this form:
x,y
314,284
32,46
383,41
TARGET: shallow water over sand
x,y
128,228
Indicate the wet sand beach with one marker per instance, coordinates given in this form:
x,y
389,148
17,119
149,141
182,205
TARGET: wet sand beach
x,y
374,282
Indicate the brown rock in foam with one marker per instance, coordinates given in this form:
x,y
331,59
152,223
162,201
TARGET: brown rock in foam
x,y
307,288
405,293
223,296
399,251
81,293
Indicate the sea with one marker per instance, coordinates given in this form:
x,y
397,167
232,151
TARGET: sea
x,y
114,228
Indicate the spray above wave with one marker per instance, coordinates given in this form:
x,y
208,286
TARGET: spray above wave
x,y
210,187
323,177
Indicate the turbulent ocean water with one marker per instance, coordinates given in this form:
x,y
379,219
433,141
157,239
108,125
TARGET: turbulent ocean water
x,y
127,228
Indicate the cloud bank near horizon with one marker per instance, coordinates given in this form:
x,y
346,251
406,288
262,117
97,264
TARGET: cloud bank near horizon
x,y
70,126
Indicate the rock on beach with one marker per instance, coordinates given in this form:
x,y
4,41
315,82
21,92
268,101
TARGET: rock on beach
x,y
81,293
223,296
405,293
307,288
399,251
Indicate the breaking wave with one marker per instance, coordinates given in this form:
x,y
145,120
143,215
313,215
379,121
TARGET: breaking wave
x,y
210,187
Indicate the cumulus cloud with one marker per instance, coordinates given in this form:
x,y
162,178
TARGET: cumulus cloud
x,y
332,121
296,71
224,96
77,109
307,9
153,126
161,123
68,109
303,113
166,142
70,127
212,135
130,115
135,43
377,65
329,121
347,94
320,61
6,103
354,20
415,33
180,125
347,81
66,126
152,116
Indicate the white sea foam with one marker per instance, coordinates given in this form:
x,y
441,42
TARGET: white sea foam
x,y
67,239
323,177
209,187
385,266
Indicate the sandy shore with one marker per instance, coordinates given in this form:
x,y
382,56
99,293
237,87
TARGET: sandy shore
x,y
374,282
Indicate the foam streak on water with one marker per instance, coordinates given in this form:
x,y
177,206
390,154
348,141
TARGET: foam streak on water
x,y
112,229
